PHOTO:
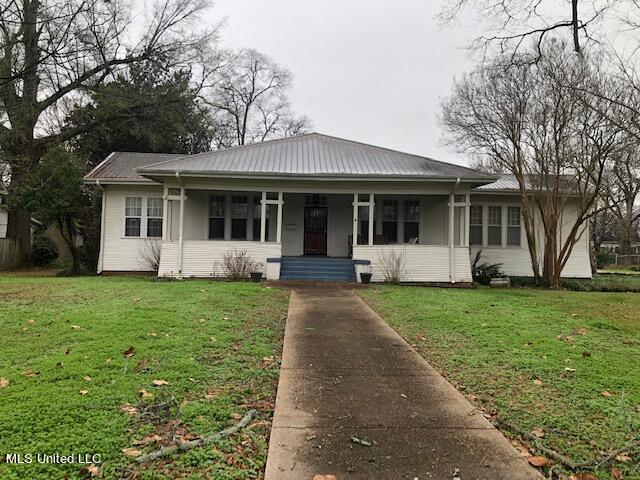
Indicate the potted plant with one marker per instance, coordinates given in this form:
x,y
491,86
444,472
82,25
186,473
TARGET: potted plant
x,y
256,272
365,274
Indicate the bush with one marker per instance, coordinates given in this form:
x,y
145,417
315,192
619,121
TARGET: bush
x,y
237,265
43,251
391,264
483,272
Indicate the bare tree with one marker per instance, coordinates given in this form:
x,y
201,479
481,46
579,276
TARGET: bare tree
x,y
50,51
519,23
531,120
249,101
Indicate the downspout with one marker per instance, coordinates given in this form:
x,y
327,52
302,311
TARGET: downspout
x,y
181,229
452,231
103,215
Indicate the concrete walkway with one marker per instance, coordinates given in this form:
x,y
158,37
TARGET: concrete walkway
x,y
346,373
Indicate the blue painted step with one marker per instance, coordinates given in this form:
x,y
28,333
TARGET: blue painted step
x,y
317,268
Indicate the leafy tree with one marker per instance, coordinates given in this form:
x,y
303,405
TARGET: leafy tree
x,y
53,192
146,109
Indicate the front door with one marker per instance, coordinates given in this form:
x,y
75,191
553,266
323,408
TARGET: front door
x,y
315,230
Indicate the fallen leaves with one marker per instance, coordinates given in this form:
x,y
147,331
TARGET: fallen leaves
x,y
76,327
537,381
538,461
616,473
129,352
131,452
84,392
606,394
87,378
623,457
570,370
585,476
538,432
153,438
129,409
521,447
31,373
4,382
144,394
160,383
91,470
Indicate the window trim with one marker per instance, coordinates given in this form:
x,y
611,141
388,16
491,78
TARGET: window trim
x,y
485,224
147,217
143,224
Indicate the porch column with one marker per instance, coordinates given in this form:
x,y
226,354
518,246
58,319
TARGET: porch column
x,y
371,207
181,230
355,220
263,217
452,232
279,224
467,218
227,216
165,214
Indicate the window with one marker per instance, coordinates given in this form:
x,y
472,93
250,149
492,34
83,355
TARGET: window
x,y
239,210
216,217
513,226
411,220
475,225
390,220
495,226
132,216
154,217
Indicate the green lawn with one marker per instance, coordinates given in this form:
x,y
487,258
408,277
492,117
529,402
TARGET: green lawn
x,y
63,344
564,362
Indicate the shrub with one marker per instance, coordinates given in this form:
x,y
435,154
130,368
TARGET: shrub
x,y
150,254
391,264
237,265
483,272
43,251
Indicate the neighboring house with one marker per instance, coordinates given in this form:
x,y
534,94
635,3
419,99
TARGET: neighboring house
x,y
302,206
613,246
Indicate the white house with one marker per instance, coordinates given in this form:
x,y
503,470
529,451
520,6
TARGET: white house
x,y
310,207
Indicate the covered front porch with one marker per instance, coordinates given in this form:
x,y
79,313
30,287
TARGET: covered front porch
x,y
427,228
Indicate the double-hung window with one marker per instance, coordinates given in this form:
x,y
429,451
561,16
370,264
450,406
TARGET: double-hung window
x,y
132,216
513,226
475,225
390,220
154,217
494,229
239,210
216,217
411,220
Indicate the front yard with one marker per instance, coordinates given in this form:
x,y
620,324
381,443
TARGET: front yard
x,y
85,360
563,365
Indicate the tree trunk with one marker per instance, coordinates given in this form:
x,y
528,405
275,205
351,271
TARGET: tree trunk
x,y
19,229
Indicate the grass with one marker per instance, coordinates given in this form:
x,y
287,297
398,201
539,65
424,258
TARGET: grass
x,y
217,344
605,282
539,359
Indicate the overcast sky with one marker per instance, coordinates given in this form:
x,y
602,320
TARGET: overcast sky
x,y
367,70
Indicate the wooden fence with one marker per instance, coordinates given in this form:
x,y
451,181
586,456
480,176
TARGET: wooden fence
x,y
8,254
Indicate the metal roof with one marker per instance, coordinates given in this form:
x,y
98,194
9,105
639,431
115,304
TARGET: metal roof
x,y
313,155
505,182
121,166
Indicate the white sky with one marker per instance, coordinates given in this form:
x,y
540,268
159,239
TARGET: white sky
x,y
367,70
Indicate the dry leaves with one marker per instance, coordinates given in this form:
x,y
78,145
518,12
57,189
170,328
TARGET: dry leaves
x,y
87,378
623,457
144,394
605,394
538,432
84,392
616,473
91,470
4,382
236,416
585,476
129,409
153,438
160,383
131,452
537,381
538,461
521,447
75,327
129,352
31,373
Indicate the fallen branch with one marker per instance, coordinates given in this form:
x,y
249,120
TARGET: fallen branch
x,y
567,462
184,446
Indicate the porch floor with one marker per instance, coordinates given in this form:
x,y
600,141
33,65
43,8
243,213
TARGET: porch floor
x,y
330,269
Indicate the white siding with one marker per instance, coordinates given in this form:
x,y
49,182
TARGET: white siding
x,y
124,253
516,261
3,223
203,258
423,263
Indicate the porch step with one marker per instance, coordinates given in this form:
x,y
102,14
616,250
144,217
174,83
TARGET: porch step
x,y
317,268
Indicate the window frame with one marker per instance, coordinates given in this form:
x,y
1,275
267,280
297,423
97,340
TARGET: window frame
x,y
154,217
511,226
139,216
476,225
210,216
244,218
406,204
